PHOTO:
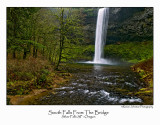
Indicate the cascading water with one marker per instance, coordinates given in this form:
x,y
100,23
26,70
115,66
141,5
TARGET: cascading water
x,y
101,32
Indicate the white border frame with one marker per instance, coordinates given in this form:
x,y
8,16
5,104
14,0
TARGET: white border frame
x,y
18,115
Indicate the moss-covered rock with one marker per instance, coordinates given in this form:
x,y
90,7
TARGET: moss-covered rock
x,y
145,70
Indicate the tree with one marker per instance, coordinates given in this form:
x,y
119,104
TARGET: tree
x,y
53,32
70,31
19,29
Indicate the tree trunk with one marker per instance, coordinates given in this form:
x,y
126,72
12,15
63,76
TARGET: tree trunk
x,y
34,39
59,59
61,39
14,53
14,31
25,53
34,51
43,51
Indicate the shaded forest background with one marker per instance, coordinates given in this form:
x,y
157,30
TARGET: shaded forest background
x,y
57,32
41,40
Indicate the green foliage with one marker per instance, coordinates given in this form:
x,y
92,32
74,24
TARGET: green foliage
x,y
89,51
145,70
41,77
130,24
25,75
130,51
59,35
90,12
48,31
18,87
78,53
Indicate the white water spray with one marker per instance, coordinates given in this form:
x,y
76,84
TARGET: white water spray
x,y
101,32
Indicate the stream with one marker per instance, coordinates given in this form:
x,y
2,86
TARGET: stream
x,y
96,85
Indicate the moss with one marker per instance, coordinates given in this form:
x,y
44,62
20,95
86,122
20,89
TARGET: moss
x,y
145,70
22,79
130,51
144,92
121,90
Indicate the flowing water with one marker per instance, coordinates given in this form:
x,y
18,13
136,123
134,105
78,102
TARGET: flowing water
x,y
96,85
101,32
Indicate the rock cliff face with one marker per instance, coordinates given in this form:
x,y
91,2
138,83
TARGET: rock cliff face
x,y
130,24
125,24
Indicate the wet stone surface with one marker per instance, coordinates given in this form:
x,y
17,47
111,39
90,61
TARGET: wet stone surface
x,y
96,85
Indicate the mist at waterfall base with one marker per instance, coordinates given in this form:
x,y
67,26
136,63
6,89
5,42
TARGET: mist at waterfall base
x,y
101,32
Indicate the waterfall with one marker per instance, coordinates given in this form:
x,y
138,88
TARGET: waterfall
x,y
101,32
